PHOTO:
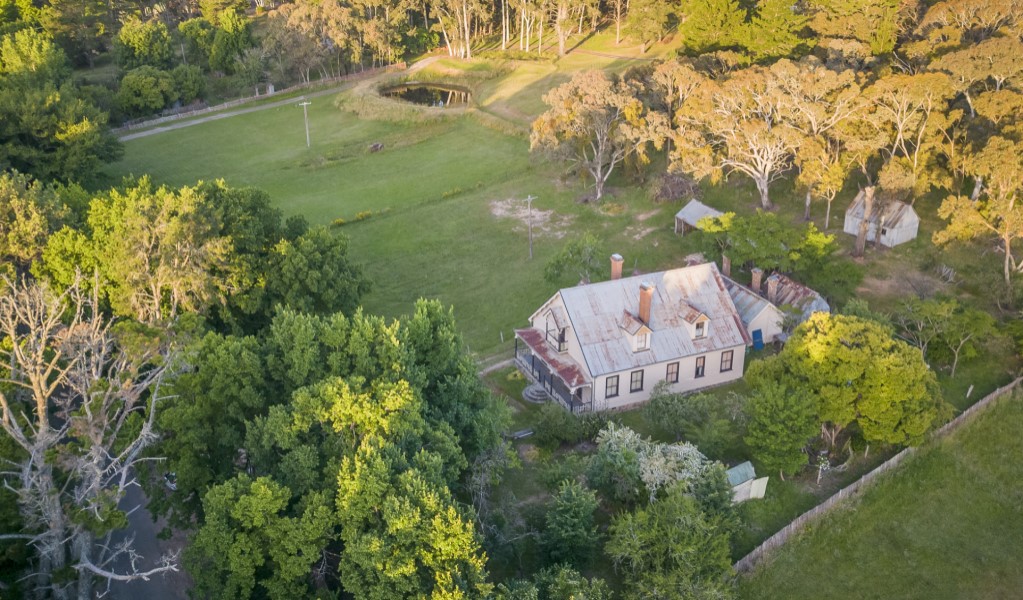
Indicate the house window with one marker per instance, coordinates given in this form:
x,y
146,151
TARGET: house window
x,y
556,337
884,231
701,363
726,361
672,376
611,387
636,385
701,329
642,341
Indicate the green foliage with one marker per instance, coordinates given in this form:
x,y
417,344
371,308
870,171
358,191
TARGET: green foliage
x,y
49,131
559,582
647,20
314,274
249,542
556,426
571,535
143,43
856,372
765,241
189,83
146,90
230,40
198,34
711,25
775,30
28,214
670,549
216,11
780,425
710,422
578,256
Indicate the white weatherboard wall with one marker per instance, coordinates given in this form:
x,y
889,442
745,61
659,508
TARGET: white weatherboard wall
x,y
656,373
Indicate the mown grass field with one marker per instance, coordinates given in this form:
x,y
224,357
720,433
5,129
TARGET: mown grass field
x,y
947,524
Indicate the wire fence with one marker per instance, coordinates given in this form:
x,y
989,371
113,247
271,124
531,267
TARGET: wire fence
x,y
150,122
749,561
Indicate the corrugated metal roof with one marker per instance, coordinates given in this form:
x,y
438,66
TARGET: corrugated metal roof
x,y
567,369
793,293
741,473
748,303
895,213
695,210
595,311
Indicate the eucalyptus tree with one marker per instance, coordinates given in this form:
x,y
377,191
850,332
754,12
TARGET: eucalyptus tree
x,y
79,403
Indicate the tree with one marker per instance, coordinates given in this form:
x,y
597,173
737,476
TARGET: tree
x,y
594,122
710,422
314,274
780,424
579,255
146,90
873,24
158,249
856,372
733,126
247,530
647,20
555,583
79,402
215,11
768,242
230,40
47,129
28,214
954,328
998,163
570,535
143,43
670,549
775,30
710,24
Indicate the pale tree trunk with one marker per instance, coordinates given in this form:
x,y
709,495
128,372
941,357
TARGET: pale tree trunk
x,y
868,209
827,215
878,231
763,186
978,187
806,209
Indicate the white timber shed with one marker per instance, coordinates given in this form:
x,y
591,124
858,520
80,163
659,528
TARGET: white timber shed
x,y
897,222
686,219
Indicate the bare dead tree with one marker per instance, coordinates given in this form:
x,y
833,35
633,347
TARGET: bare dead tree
x,y
79,401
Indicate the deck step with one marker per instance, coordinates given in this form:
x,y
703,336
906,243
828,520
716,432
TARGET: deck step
x,y
535,394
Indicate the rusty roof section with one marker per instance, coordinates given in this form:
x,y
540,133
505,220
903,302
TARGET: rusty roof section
x,y
595,311
631,323
792,293
562,364
689,314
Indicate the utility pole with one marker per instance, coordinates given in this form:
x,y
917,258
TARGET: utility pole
x,y
305,113
529,204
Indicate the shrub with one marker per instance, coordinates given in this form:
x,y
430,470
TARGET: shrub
x,y
556,426
338,222
570,534
144,91
190,83
363,215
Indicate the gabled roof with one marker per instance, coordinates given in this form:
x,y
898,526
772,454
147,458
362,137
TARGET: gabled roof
x,y
749,303
895,213
631,323
793,293
695,210
596,311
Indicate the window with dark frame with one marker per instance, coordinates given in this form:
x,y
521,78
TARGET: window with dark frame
x,y
701,363
672,376
726,361
611,387
636,385
701,329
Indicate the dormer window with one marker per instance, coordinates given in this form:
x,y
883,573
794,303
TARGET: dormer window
x,y
701,329
556,336
643,341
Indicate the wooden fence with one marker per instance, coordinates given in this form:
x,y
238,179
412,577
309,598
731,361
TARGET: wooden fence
x,y
749,561
142,123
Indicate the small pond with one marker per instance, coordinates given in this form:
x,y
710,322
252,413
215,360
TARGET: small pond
x,y
428,94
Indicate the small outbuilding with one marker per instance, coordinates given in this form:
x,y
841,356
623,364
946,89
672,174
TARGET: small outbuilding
x,y
686,219
744,482
897,223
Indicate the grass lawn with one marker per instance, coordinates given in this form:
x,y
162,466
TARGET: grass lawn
x,y
947,524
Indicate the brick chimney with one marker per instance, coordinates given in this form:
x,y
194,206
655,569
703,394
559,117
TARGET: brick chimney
x,y
758,276
726,266
646,297
772,289
616,266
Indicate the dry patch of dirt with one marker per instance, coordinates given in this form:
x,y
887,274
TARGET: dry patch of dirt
x,y
545,222
644,216
901,285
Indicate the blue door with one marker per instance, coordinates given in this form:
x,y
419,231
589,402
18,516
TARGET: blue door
x,y
758,339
